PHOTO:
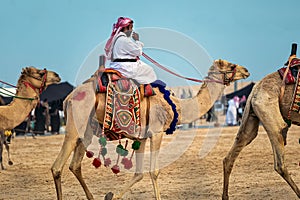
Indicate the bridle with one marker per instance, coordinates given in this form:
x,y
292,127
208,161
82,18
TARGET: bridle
x,y
42,79
227,77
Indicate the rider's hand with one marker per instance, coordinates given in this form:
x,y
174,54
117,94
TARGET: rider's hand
x,y
135,36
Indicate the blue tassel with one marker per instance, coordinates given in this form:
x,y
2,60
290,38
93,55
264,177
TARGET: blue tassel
x,y
162,88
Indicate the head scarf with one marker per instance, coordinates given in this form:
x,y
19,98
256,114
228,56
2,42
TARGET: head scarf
x,y
236,99
121,23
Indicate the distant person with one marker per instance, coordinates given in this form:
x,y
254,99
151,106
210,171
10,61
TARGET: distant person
x,y
46,113
54,117
211,116
231,115
124,52
40,119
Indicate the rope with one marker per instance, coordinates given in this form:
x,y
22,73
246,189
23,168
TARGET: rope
x,y
18,97
8,84
178,75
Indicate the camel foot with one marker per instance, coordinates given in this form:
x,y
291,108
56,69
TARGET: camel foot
x,y
109,196
10,162
225,197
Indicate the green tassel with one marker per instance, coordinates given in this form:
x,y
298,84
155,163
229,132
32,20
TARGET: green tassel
x,y
119,149
136,145
102,141
103,151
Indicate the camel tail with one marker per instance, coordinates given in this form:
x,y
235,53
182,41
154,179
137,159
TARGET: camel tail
x,y
65,105
248,107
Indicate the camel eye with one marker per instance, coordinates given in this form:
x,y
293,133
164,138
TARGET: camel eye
x,y
232,67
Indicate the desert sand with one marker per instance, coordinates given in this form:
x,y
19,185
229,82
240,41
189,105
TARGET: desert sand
x,y
193,176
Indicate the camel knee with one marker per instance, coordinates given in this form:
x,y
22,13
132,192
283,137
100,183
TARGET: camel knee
x,y
154,174
56,173
227,166
279,169
75,169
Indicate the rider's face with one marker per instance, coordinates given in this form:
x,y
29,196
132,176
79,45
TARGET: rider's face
x,y
128,30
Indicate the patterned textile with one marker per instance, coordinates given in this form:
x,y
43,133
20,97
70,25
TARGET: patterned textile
x,y
122,111
296,103
289,79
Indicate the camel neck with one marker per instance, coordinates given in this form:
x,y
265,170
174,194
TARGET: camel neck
x,y
16,112
193,108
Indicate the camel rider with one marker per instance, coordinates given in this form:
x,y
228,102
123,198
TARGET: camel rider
x,y
124,53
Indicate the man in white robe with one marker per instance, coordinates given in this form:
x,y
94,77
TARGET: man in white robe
x,y
231,115
124,53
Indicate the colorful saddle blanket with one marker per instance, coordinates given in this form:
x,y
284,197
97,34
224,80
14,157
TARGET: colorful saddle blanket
x,y
106,75
296,96
122,111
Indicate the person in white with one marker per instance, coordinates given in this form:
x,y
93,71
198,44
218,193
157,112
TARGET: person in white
x,y
124,52
231,115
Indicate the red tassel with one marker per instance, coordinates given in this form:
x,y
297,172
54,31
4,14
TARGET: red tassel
x,y
115,169
97,162
89,154
107,162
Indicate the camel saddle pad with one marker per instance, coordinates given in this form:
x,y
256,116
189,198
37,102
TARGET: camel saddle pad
x,y
107,75
122,111
296,102
289,79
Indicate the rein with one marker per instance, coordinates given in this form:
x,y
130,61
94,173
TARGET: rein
x,y
226,79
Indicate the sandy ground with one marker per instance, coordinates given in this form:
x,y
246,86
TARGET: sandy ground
x,y
188,177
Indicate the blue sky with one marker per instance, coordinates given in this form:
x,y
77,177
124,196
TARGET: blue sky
x,y
60,34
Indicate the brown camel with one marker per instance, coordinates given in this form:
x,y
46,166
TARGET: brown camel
x,y
31,82
264,106
81,102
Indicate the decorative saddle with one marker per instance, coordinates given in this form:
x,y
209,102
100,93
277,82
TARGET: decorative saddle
x,y
292,74
106,75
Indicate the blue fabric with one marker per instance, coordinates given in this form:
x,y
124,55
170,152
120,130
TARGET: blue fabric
x,y
162,88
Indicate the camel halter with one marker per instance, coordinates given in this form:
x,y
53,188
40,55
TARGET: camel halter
x,y
226,79
42,79
27,84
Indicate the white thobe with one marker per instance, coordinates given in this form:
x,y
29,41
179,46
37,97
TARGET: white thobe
x,y
231,115
125,48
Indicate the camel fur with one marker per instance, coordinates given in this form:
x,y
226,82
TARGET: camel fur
x,y
30,83
264,106
83,101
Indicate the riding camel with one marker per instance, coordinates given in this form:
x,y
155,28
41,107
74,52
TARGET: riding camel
x,y
265,105
30,84
83,100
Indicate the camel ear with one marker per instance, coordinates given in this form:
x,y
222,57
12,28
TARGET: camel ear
x,y
221,62
24,70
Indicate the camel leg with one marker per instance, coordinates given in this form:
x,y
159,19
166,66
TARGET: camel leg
x,y
2,138
279,166
275,125
138,175
75,167
8,153
68,146
155,143
247,132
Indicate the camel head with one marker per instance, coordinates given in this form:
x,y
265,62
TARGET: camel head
x,y
227,72
39,78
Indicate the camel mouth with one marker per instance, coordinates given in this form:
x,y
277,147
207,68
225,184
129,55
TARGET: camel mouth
x,y
246,75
